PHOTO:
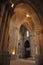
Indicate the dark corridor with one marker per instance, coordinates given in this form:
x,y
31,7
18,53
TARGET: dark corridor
x,y
27,49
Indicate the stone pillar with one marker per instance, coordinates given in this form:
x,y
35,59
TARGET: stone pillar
x,y
40,54
4,55
13,40
2,8
6,38
16,40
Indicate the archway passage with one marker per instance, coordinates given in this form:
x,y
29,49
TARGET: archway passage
x,y
31,16
27,49
26,16
23,42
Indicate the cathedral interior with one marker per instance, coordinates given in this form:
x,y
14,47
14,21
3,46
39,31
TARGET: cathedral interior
x,y
21,32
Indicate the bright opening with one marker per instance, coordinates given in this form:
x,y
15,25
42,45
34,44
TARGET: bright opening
x,y
27,33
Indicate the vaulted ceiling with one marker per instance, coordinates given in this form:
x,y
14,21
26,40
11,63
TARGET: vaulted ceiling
x,y
36,4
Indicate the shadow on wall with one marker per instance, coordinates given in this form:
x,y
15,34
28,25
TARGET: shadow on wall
x,y
40,60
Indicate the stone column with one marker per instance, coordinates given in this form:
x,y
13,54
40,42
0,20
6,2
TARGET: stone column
x,y
40,53
4,55
2,8
13,40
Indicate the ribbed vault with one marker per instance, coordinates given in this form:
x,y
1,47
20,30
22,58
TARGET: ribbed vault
x,y
32,23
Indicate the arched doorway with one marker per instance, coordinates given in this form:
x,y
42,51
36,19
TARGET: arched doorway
x,y
27,49
24,36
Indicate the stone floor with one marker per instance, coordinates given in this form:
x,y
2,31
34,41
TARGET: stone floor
x,y
22,62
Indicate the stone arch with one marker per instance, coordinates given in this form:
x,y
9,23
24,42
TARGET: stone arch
x,y
35,22
33,15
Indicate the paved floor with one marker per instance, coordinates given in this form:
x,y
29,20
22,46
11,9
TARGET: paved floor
x,y
22,62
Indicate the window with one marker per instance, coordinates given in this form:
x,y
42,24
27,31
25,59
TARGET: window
x,y
27,33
